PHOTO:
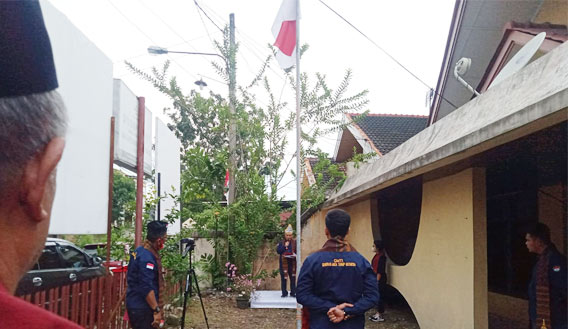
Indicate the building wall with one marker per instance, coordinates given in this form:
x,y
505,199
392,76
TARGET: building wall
x,y
267,259
445,282
360,233
553,11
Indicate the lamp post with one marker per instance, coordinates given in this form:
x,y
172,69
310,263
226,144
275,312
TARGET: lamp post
x,y
230,64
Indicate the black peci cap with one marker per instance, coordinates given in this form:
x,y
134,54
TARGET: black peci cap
x,y
26,59
156,228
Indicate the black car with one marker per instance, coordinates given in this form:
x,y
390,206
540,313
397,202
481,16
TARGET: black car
x,y
61,263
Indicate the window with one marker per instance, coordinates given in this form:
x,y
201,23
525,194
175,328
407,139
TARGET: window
x,y
49,259
72,257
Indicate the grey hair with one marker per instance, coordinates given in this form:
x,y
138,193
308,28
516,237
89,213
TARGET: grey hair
x,y
27,124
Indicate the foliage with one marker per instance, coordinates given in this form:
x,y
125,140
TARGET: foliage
x,y
360,158
123,198
328,176
246,284
202,122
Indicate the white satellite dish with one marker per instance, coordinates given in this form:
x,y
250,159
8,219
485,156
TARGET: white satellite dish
x,y
521,58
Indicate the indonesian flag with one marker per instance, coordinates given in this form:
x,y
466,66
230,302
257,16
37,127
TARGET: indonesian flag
x,y
284,30
226,186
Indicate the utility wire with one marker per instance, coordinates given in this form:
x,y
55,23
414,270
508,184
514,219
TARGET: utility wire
x,y
198,6
386,53
148,37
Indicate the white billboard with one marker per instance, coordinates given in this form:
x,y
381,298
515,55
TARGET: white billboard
x,y
85,83
168,169
125,111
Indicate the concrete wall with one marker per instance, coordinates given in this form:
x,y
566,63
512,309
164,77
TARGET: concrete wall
x,y
360,233
267,259
450,255
553,11
515,310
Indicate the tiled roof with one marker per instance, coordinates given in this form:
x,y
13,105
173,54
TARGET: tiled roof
x,y
387,131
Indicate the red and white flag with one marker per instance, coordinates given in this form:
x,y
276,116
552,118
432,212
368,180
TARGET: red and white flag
x,y
284,30
226,186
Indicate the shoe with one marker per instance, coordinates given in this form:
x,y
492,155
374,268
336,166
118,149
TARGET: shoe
x,y
293,295
377,318
284,295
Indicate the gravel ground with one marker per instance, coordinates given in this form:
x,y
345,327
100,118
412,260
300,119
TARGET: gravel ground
x,y
222,313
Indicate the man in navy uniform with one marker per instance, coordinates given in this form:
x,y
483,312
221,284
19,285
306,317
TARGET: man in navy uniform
x,y
32,139
336,284
144,295
547,288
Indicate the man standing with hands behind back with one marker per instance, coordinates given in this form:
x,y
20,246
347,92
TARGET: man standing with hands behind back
x,y
32,139
337,284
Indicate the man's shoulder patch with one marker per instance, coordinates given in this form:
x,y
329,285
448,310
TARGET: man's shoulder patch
x,y
556,268
150,266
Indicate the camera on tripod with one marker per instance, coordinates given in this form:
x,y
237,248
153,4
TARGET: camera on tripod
x,y
187,245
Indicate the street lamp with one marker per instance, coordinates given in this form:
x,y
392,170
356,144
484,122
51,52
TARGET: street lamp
x,y
231,68
155,50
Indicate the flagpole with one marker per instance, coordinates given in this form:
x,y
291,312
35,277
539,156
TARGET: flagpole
x,y
298,164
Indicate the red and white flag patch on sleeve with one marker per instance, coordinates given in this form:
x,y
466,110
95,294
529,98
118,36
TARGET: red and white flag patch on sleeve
x,y
150,266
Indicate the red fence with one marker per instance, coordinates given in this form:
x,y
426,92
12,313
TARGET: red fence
x,y
96,303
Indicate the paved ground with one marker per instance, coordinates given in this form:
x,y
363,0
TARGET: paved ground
x,y
223,313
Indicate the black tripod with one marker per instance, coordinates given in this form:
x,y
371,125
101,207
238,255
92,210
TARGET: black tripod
x,y
188,286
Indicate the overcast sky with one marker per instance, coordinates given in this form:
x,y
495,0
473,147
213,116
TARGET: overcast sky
x,y
414,32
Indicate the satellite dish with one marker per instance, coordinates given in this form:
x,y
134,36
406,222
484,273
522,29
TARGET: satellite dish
x,y
521,58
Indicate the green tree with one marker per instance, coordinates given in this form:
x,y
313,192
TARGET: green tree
x,y
201,122
123,198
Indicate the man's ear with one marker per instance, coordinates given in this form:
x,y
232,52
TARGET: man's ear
x,y
37,186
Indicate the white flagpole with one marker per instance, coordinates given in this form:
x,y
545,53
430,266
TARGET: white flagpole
x,y
298,164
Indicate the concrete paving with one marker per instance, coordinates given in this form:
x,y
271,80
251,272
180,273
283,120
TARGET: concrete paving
x,y
271,299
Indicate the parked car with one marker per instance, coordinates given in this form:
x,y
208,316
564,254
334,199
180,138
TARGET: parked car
x,y
60,263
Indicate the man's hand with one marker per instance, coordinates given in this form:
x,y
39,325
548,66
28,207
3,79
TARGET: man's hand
x,y
336,314
157,320
379,277
287,243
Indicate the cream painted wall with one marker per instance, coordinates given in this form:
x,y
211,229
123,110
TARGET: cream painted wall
x,y
445,282
553,11
360,234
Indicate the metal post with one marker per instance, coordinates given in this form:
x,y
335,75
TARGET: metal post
x,y
159,194
110,185
298,164
232,129
139,173
231,67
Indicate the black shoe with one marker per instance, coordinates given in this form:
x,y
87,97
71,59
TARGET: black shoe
x,y
284,295
293,295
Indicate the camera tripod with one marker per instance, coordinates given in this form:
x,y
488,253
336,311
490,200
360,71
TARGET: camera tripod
x,y
188,288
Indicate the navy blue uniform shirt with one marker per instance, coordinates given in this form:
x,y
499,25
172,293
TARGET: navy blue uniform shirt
x,y
557,274
330,278
142,278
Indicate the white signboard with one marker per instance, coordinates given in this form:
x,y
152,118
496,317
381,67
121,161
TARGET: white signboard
x,y
125,111
85,83
168,167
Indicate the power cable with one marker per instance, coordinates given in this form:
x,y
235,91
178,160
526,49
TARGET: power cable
x,y
147,36
198,6
386,53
